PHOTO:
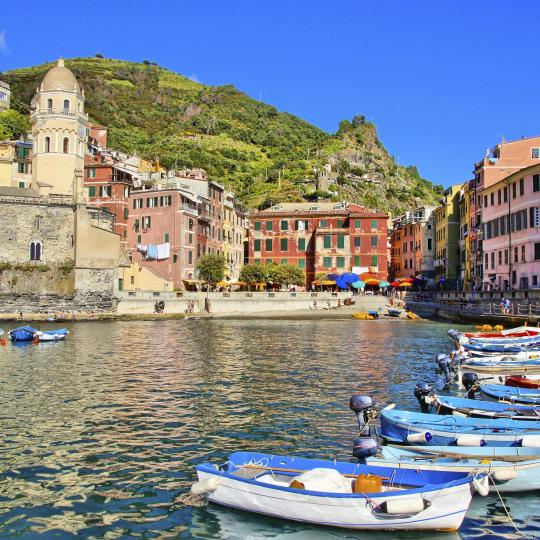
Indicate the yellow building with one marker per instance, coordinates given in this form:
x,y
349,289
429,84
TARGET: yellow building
x,y
15,164
228,227
59,129
141,278
447,251
466,200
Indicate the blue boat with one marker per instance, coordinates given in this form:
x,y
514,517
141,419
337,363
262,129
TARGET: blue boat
x,y
375,313
532,345
404,427
339,494
52,335
394,312
512,394
477,408
22,333
511,469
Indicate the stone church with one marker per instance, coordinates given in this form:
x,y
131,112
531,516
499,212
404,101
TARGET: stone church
x,y
52,242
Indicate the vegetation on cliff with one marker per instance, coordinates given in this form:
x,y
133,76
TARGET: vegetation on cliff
x,y
264,155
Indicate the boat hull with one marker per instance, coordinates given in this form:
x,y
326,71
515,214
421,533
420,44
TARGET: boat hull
x,y
523,382
527,473
446,511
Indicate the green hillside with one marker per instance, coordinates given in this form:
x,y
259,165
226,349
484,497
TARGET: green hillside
x,y
262,154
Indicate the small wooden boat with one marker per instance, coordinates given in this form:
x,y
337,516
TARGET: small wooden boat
x,y
22,333
510,394
394,312
477,408
520,474
405,427
52,335
523,382
497,372
338,494
412,316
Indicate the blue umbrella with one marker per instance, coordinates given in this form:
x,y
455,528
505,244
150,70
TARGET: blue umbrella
x,y
384,284
341,284
349,278
359,284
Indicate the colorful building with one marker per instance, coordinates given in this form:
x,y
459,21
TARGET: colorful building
x,y
321,237
16,164
413,245
5,95
511,231
447,254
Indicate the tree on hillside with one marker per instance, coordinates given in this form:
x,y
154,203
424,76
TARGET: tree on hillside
x,y
211,268
13,125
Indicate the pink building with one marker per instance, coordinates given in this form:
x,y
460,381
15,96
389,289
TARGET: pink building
x,y
511,231
162,232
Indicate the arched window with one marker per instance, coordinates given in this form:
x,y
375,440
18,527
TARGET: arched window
x,y
49,103
66,104
47,144
35,251
66,145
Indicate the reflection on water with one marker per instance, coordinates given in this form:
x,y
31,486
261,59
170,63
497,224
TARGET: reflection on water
x,y
101,433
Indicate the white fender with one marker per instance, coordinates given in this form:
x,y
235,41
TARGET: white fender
x,y
481,485
531,440
429,400
422,437
457,413
470,440
410,505
202,487
503,475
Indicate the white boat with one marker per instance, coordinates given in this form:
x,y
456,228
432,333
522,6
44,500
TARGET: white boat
x,y
504,476
331,493
52,335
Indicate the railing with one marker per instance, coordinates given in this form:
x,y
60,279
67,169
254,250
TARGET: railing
x,y
71,113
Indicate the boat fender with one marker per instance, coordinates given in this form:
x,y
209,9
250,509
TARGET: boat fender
x,y
504,475
481,485
208,485
531,440
400,505
457,413
470,440
364,447
423,436
430,399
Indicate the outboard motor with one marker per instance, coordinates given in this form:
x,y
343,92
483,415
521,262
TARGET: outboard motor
x,y
446,367
363,447
470,382
362,406
421,391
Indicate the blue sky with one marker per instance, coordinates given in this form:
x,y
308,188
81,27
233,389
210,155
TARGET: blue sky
x,y
441,79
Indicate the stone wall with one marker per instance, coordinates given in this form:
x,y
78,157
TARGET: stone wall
x,y
30,219
37,279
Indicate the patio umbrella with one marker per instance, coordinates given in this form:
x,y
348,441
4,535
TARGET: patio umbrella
x,y
349,278
372,281
406,280
405,284
341,284
383,284
395,283
359,284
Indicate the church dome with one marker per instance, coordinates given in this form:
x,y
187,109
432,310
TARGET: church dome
x,y
60,78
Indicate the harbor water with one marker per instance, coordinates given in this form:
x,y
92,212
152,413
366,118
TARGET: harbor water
x,y
101,433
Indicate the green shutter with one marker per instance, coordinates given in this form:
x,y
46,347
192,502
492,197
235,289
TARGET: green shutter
x,y
341,241
374,260
301,244
340,223
257,225
284,225
166,237
257,245
327,241
283,261
301,263
357,260
327,262
268,244
357,224
268,225
92,191
374,224
374,241
284,244
340,262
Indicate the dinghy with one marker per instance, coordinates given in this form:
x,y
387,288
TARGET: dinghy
x,y
394,312
22,333
477,408
52,335
405,427
521,474
498,371
339,494
510,394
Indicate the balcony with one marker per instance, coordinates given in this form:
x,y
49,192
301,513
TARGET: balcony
x,y
58,113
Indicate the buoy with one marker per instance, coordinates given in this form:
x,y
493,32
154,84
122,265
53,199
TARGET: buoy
x,y
498,327
424,436
3,341
482,485
470,440
399,505
205,486
531,440
504,475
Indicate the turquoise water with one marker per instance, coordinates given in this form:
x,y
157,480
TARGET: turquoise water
x,y
101,433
